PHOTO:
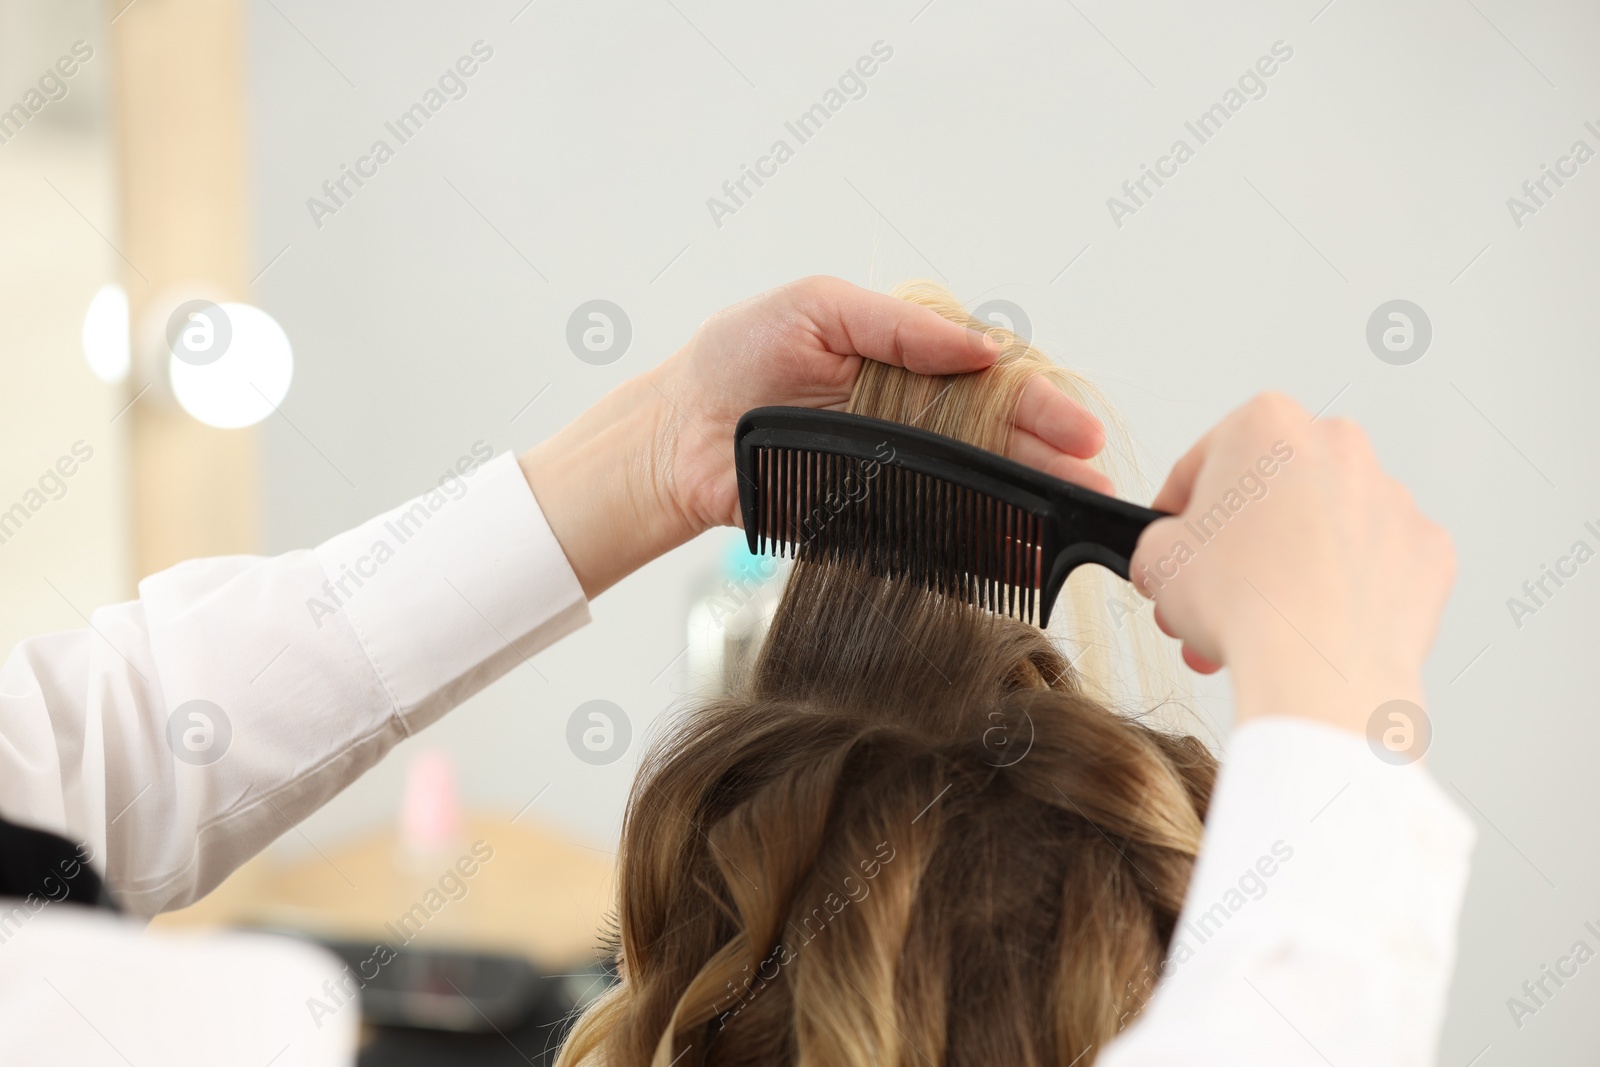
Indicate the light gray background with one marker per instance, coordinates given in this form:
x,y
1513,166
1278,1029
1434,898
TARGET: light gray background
x,y
1376,167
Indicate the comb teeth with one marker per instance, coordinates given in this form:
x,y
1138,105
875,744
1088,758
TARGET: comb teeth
x,y
898,523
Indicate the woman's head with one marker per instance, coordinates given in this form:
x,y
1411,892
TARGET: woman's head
x,y
909,836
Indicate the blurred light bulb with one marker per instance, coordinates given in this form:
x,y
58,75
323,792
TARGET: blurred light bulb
x,y
105,334
247,381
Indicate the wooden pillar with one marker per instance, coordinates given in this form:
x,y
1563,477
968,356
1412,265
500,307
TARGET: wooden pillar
x,y
183,149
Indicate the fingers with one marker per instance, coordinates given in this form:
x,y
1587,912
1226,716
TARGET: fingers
x,y
1152,562
853,321
1192,659
1198,663
1059,421
1179,486
1033,451
1263,416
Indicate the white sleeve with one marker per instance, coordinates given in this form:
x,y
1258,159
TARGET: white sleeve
x,y
1320,923
310,667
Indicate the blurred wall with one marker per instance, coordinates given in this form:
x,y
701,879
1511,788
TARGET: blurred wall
x,y
66,552
429,310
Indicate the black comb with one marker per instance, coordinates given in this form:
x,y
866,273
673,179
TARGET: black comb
x,y
909,504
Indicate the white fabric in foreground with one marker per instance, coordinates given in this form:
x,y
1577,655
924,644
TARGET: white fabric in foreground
x,y
1320,925
85,988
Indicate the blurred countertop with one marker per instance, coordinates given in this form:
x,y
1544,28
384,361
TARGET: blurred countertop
x,y
538,894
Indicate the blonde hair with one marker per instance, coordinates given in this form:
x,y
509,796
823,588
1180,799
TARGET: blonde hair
x,y
911,835
1117,656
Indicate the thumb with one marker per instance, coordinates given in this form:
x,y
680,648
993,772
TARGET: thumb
x,y
853,321
1158,556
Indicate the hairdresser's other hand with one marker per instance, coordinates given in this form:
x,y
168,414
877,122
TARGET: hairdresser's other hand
x,y
1295,561
651,465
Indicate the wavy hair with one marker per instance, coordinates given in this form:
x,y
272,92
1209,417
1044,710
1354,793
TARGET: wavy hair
x,y
909,836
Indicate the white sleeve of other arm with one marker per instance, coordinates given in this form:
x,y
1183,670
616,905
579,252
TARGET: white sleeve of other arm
x,y
1320,924
319,662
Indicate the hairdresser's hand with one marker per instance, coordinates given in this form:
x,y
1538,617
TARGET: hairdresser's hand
x,y
1297,563
651,465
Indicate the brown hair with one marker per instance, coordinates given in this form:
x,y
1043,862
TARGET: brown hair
x,y
910,836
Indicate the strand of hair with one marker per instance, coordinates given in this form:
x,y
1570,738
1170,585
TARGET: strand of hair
x,y
952,551
1013,551
1000,576
989,552
973,564
964,541
1005,559
876,514
992,545
897,523
956,545
778,501
925,518
776,505
913,527
812,460
799,524
1028,569
823,504
869,519
945,538
765,517
879,504
1003,546
950,540
1015,555
825,535
788,503
891,518
983,551
821,513
1023,566
1041,561
760,501
857,533
794,502
797,499
805,525
1000,509
1008,588
797,479
996,556
1036,581
928,519
848,512
915,532
974,547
